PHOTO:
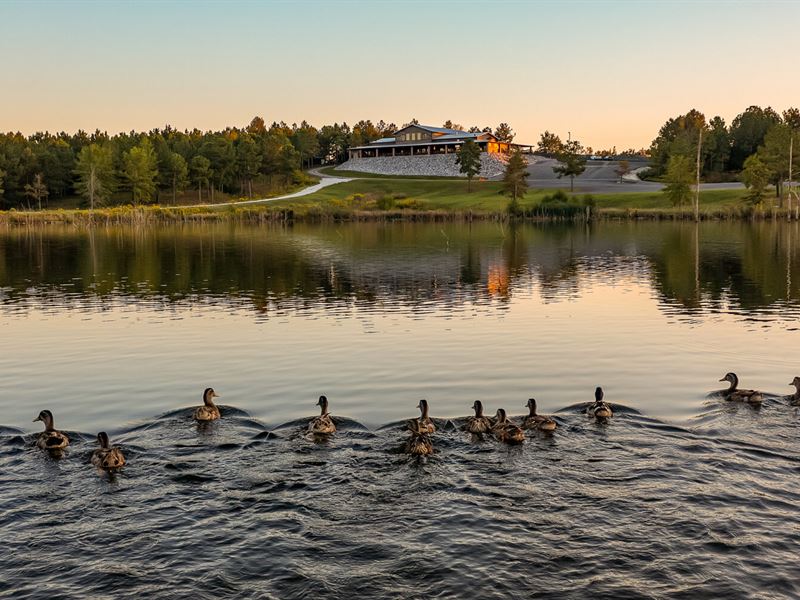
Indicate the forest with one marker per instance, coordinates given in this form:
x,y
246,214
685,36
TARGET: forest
x,y
164,165
167,166
759,148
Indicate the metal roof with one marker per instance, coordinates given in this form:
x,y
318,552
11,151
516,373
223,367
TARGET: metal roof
x,y
462,135
432,129
408,144
440,129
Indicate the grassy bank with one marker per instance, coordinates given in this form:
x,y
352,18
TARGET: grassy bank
x,y
422,199
263,187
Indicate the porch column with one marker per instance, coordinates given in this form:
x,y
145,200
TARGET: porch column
x,y
394,151
412,150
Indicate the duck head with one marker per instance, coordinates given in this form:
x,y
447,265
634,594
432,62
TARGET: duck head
x,y
102,439
598,394
477,406
208,396
796,384
45,417
323,405
423,408
532,406
732,379
500,417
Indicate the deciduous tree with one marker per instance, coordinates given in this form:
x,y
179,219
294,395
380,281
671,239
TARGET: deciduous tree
x,y
305,141
95,172
200,173
468,159
678,135
679,176
549,144
140,171
748,131
37,190
515,178
755,176
175,170
623,168
573,162
716,146
775,155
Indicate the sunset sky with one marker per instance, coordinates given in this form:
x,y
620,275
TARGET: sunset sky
x,y
608,72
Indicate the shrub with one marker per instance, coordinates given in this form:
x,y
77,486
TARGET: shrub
x,y
385,202
410,203
513,209
558,196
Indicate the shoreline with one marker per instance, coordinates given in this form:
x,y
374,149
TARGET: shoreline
x,y
348,199
313,214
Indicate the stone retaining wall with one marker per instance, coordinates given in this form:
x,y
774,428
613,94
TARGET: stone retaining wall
x,y
436,165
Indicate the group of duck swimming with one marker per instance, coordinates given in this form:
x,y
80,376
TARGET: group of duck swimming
x,y
499,426
419,443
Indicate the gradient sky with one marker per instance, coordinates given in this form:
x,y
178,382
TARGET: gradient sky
x,y
609,72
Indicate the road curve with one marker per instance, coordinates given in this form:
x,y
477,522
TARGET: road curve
x,y
600,177
324,181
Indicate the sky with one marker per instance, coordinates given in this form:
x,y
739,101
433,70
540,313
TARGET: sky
x,y
606,73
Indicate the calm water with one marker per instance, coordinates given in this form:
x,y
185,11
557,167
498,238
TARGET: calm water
x,y
120,329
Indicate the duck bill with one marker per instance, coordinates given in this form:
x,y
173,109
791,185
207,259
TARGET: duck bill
x,y
723,379
36,419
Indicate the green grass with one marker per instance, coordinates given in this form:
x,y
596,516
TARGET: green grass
x,y
393,198
432,194
263,187
448,195
709,200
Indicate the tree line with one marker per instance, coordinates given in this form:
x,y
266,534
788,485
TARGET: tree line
x,y
754,149
158,165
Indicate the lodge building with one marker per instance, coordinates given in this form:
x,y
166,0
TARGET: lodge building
x,y
424,140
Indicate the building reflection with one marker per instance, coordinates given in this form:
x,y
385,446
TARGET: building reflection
x,y
691,268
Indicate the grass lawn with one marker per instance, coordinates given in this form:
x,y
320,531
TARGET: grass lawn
x,y
452,196
438,198
263,187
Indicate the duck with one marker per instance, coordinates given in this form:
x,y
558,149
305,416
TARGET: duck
x,y
323,424
733,394
424,420
506,431
479,423
209,410
106,456
537,421
795,398
419,444
600,409
50,438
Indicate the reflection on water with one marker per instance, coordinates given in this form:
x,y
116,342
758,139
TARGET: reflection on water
x,y
715,266
118,328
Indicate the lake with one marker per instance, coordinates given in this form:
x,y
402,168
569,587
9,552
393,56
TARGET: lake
x,y
121,328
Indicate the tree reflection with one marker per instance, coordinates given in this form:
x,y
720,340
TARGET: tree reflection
x,y
710,266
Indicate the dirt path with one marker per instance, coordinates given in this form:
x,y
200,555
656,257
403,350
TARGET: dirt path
x,y
324,181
